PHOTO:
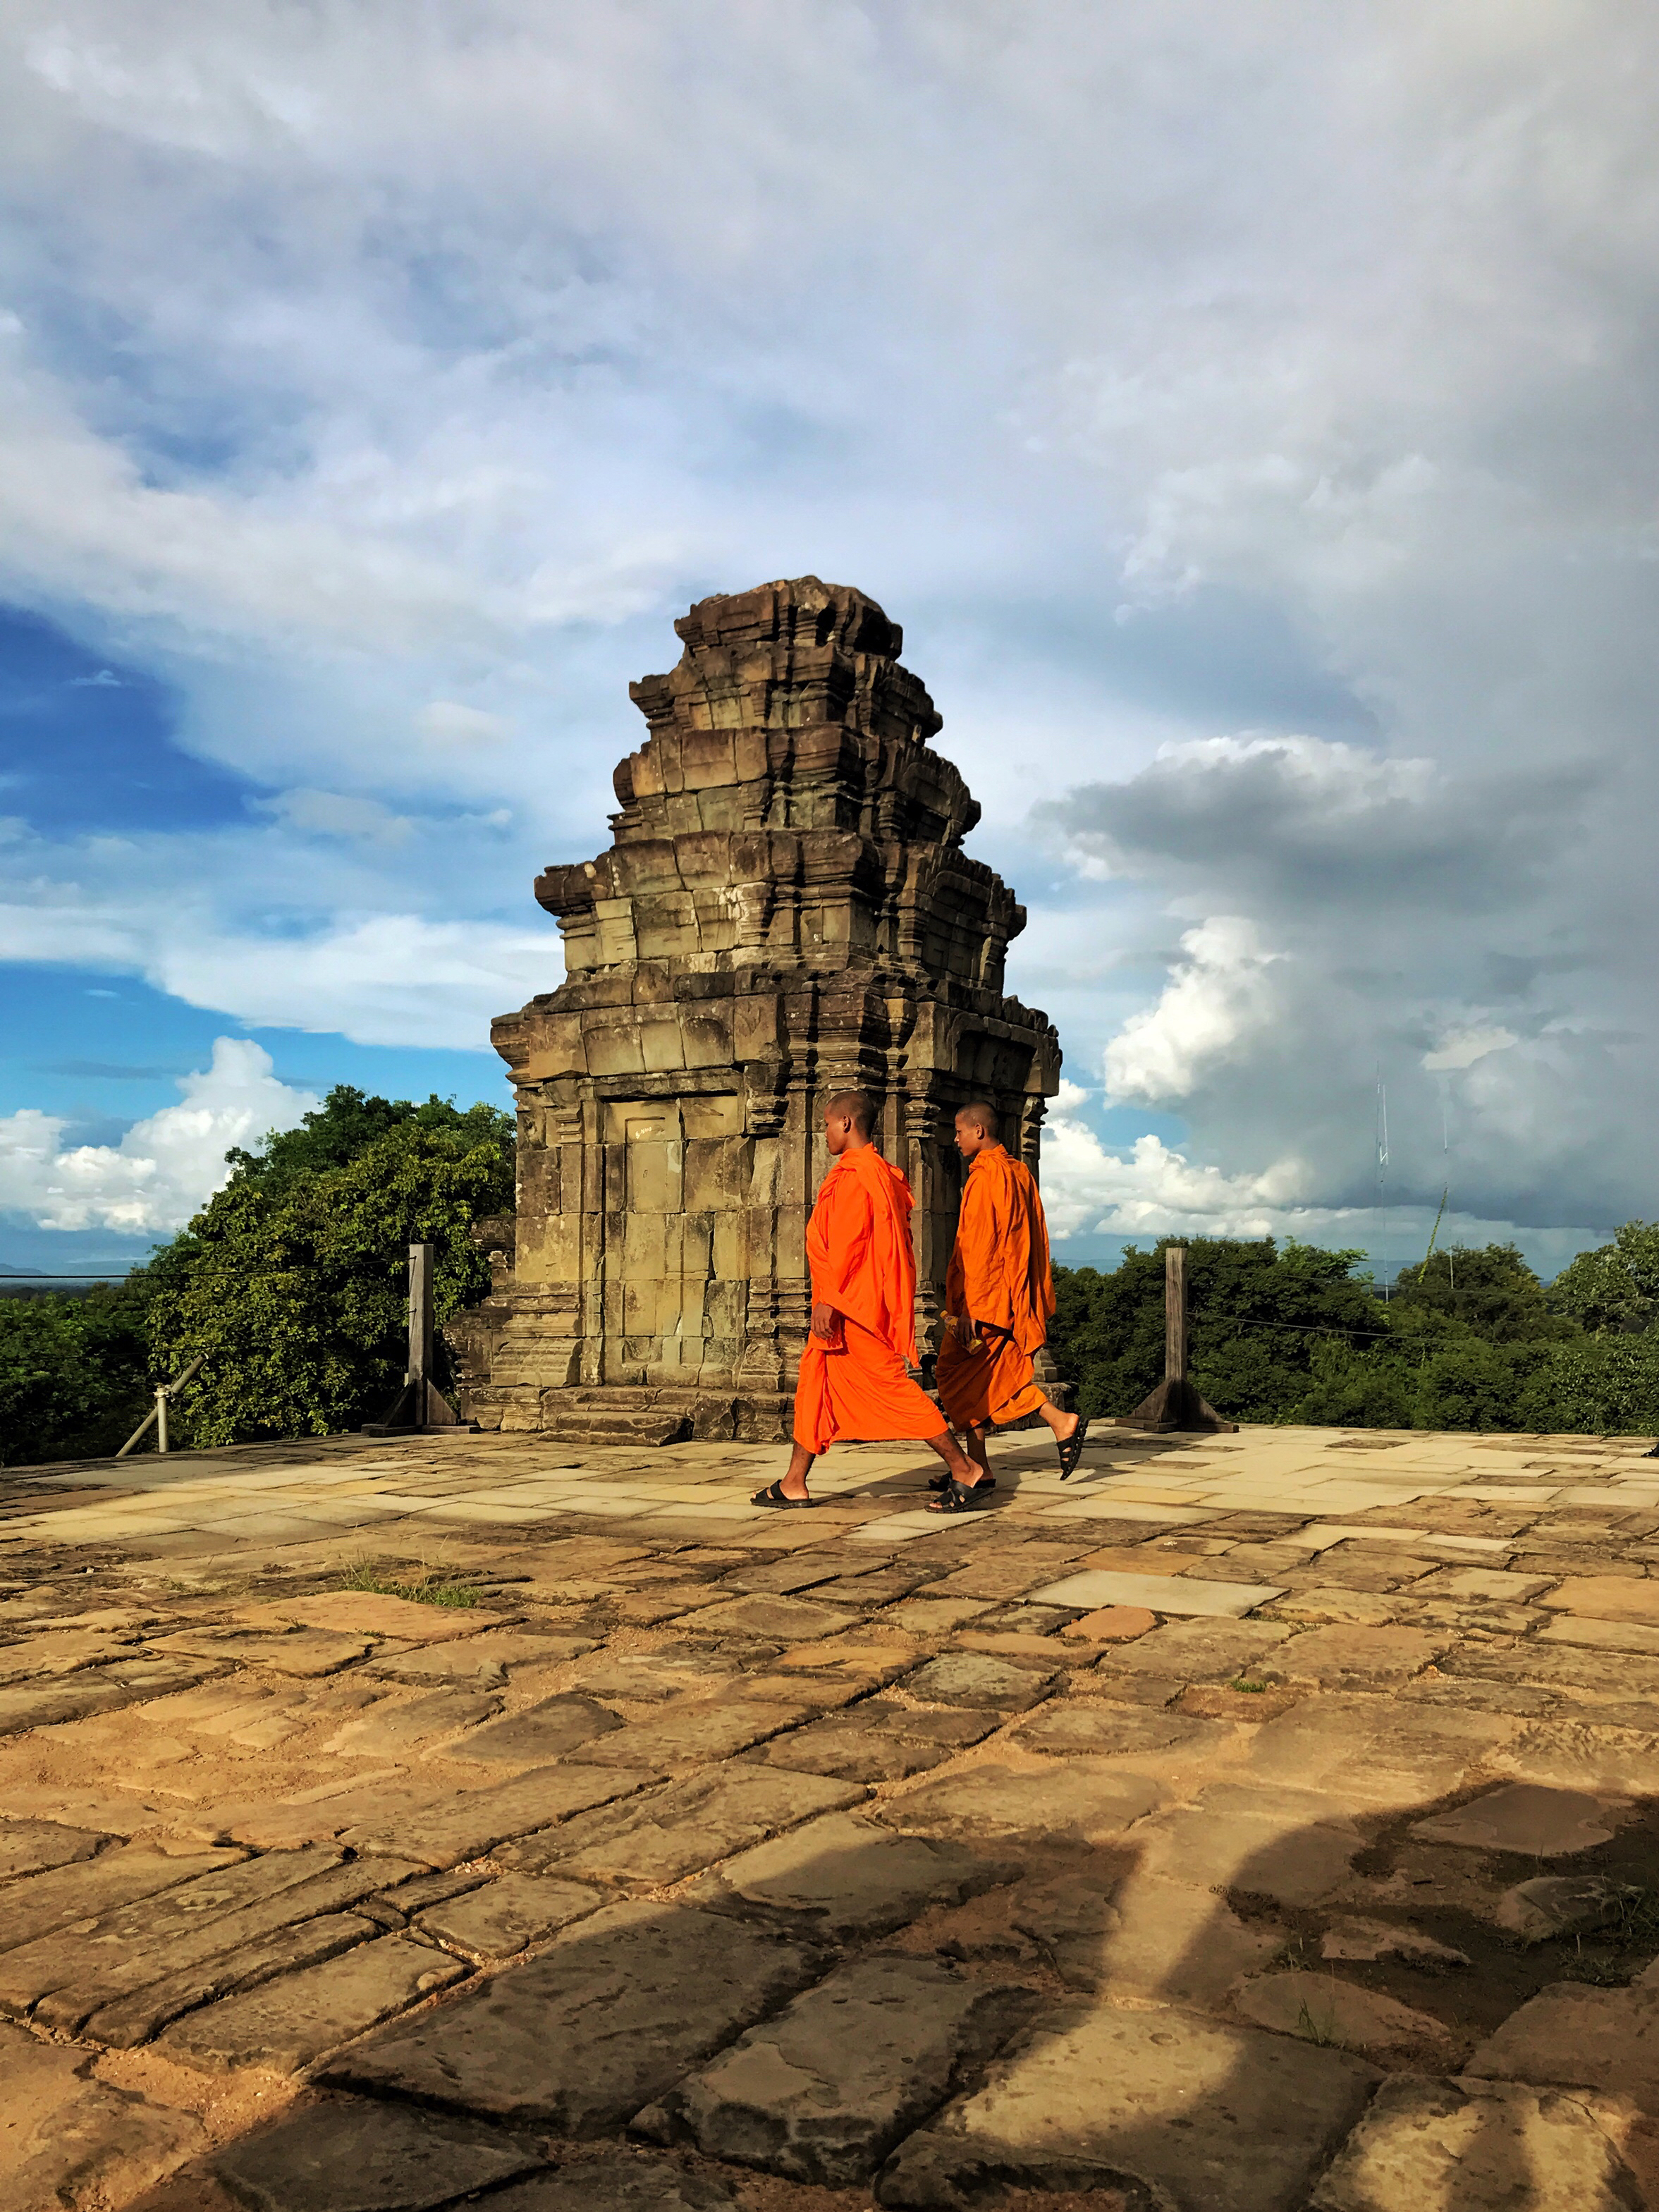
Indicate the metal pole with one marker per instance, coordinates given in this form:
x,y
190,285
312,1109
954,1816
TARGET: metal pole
x,y
162,1419
1175,1313
420,1328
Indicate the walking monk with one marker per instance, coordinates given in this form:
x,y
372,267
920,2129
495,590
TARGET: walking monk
x,y
998,1299
853,1379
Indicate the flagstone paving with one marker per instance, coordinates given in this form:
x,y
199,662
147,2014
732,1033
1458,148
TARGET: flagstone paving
x,y
1268,1823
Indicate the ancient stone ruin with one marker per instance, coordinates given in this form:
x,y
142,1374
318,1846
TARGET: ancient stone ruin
x,y
785,909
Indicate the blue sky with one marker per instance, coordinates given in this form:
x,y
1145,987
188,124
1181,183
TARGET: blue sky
x,y
1249,418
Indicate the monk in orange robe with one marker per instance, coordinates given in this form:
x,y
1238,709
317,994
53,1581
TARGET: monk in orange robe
x,y
854,1379
998,1299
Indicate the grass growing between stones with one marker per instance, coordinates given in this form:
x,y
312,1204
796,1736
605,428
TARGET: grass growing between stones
x,y
422,1587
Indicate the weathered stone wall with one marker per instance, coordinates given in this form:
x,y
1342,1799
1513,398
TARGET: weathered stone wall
x,y
785,910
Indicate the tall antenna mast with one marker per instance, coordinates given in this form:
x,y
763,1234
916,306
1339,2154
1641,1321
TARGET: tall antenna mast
x,y
1383,1169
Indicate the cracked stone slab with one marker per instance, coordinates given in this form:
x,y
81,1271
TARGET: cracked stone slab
x,y
685,1827
469,1823
1291,1845
1524,1816
540,1734
1340,1658
878,1742
708,1731
1086,1797
983,1679
1193,1652
508,1913
32,1705
1172,2108
778,1620
823,2092
1478,2146
400,1731
144,2012
371,1613
1370,1939
37,1846
359,2155
84,1890
1328,2010
69,2137
304,1653
285,2025
1575,2035
849,1878
1098,1586
610,2016
650,1676
1377,1751
1561,1905
494,1656
65,1977
1607,1597
1590,1754
622,2181
1112,1731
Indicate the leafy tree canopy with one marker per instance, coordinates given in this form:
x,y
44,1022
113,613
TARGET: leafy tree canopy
x,y
292,1281
73,1379
1469,1338
1615,1288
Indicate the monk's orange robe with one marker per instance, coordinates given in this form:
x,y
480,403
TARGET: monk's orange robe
x,y
863,1263
999,1277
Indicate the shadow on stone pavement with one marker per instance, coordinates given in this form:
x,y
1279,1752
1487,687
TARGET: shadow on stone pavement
x,y
1059,1987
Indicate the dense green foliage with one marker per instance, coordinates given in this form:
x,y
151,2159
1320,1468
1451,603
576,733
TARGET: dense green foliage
x,y
294,1279
292,1282
73,1379
1467,1339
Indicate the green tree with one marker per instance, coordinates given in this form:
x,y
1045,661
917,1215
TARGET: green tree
x,y
1616,1287
292,1280
1487,1289
1256,1315
73,1379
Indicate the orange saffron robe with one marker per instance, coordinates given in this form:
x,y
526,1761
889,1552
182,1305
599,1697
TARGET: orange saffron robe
x,y
864,1264
999,1277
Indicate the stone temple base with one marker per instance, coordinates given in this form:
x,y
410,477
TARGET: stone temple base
x,y
615,1414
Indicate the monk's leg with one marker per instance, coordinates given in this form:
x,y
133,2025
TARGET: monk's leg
x,y
795,1483
964,1468
1063,1425
973,1438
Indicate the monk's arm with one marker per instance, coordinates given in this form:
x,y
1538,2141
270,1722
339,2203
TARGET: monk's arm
x,y
978,1255
838,1288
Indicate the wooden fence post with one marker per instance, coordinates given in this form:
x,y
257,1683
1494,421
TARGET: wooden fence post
x,y
1176,1404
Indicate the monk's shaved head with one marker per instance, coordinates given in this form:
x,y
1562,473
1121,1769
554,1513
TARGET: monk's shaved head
x,y
857,1107
983,1117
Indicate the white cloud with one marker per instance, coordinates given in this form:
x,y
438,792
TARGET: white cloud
x,y
448,719
336,814
1463,1047
389,980
1156,1190
164,1169
1216,998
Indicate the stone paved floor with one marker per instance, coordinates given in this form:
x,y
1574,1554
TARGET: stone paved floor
x,y
1261,1821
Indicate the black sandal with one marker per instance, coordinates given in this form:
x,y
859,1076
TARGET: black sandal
x,y
959,1496
942,1482
1072,1450
775,1496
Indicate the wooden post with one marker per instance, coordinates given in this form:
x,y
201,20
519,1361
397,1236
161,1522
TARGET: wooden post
x,y
420,1405
419,1332
1175,1313
1176,1404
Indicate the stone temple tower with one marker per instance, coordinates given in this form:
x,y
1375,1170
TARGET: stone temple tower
x,y
785,910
